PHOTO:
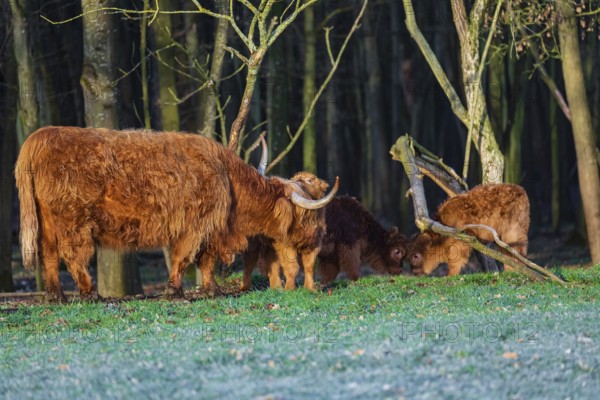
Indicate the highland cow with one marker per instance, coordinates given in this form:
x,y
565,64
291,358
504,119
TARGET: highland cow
x,y
271,256
503,207
81,187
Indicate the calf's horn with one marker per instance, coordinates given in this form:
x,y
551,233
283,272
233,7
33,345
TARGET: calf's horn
x,y
264,158
309,204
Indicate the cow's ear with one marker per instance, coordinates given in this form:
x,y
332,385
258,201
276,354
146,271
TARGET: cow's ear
x,y
284,214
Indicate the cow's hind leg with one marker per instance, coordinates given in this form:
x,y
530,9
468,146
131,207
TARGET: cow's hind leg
x,y
77,251
50,260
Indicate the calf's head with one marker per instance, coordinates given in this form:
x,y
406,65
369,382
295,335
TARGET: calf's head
x,y
394,251
298,214
311,184
422,252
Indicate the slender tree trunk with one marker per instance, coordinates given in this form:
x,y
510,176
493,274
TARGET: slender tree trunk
x,y
28,109
28,114
555,159
169,112
309,138
7,187
144,66
587,166
378,146
101,110
468,30
8,152
277,100
208,104
331,134
512,151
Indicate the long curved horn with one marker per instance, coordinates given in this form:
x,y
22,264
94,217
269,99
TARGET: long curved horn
x,y
264,158
303,202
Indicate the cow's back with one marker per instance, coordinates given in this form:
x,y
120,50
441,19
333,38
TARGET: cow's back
x,y
133,188
501,206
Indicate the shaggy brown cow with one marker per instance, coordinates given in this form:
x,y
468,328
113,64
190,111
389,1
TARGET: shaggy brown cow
x,y
504,207
273,256
354,237
80,187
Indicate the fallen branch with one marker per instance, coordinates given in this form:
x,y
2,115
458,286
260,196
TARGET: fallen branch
x,y
403,151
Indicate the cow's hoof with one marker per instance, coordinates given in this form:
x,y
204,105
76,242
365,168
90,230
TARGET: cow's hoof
x,y
90,297
55,297
212,290
245,288
171,292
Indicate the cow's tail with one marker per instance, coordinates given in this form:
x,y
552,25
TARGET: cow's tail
x,y
29,218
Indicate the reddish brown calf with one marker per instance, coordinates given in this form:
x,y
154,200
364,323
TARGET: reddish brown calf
x,y
504,207
272,256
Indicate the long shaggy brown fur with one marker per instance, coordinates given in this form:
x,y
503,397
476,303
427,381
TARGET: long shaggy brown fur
x,y
272,256
81,187
354,237
504,207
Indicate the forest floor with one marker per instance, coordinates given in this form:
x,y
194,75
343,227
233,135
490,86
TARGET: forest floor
x,y
470,336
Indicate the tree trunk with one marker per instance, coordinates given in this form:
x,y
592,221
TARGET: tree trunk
x,y
28,114
555,161
169,112
28,109
101,110
8,152
208,104
309,138
587,166
483,138
377,146
277,100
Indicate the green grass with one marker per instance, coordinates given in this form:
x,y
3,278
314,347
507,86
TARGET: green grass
x,y
472,336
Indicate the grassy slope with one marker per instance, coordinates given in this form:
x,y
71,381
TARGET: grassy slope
x,y
474,336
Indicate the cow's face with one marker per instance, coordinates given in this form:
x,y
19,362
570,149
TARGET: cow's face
x,y
395,250
421,253
311,184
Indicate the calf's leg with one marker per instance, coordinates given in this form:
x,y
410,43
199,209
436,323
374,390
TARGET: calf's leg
x,y
349,259
288,257
328,271
308,262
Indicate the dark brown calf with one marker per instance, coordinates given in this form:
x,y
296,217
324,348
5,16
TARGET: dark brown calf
x,y
354,237
504,207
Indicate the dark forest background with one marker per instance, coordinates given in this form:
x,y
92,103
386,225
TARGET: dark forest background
x,y
383,89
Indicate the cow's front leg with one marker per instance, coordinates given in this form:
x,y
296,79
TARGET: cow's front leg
x,y
288,258
206,265
308,262
180,258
